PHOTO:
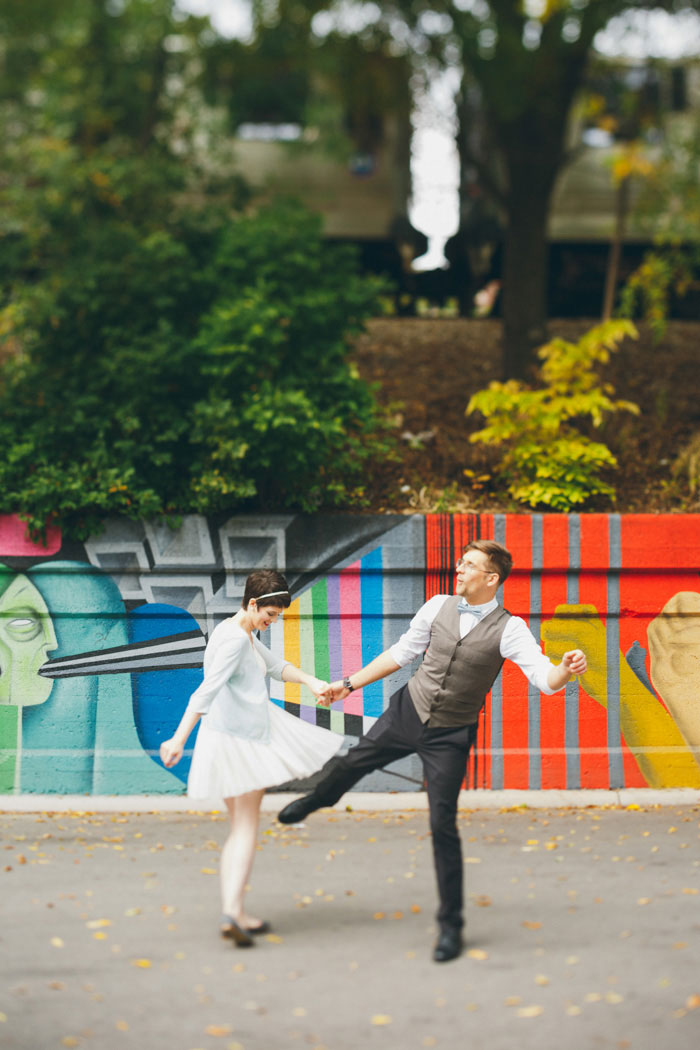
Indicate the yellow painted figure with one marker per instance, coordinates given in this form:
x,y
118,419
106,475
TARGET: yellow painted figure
x,y
664,742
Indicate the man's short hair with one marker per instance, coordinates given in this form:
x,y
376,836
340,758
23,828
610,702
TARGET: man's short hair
x,y
500,559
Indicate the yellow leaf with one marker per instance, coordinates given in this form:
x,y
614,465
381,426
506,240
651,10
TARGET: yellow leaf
x,y
57,942
574,1011
209,871
477,953
299,1011
397,915
692,1002
218,1029
3,1018
613,997
144,964
513,1000
379,1019
531,925
122,1026
692,890
415,908
643,900
541,979
379,915
530,1011
680,944
99,936
472,860
96,924
274,938
69,1040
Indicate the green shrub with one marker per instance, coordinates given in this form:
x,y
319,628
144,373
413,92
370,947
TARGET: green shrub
x,y
146,381
546,459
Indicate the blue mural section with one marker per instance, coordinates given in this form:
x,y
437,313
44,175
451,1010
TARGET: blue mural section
x,y
160,696
83,738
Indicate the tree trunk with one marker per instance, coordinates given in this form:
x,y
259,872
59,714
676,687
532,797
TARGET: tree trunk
x,y
525,275
613,271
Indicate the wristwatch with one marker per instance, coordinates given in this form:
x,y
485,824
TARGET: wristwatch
x,y
347,684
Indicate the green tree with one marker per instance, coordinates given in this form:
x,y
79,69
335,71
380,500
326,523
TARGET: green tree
x,y
141,386
522,66
161,353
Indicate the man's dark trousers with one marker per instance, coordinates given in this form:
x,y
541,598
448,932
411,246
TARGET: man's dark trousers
x,y
399,732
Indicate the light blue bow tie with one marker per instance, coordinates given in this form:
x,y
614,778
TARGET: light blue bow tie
x,y
465,607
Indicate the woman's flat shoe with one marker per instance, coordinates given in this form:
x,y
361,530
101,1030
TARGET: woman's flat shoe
x,y
263,927
232,931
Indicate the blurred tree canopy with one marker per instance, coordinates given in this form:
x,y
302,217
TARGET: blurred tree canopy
x,y
163,351
522,64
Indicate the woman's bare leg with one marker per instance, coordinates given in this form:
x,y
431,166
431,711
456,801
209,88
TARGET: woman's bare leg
x,y
238,854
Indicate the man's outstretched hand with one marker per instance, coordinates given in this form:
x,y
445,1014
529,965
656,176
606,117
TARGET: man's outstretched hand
x,y
575,661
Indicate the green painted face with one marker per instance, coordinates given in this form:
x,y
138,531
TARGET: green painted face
x,y
26,636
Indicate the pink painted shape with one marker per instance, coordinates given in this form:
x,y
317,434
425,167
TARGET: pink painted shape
x,y
15,541
351,633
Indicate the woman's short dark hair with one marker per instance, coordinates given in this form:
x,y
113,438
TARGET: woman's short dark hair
x,y
500,559
268,584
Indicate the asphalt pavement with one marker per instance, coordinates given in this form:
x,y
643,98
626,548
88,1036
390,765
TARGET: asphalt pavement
x,y
583,932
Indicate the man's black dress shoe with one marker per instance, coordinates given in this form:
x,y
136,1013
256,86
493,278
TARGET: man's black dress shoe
x,y
295,811
449,944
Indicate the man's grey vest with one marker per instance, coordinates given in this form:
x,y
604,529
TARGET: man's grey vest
x,y
450,686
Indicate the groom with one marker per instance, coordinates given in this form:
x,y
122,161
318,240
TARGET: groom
x,y
465,639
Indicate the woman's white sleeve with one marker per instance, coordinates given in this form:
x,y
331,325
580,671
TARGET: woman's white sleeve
x,y
224,663
275,665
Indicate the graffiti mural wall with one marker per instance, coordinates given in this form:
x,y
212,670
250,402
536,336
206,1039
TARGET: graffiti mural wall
x,y
101,643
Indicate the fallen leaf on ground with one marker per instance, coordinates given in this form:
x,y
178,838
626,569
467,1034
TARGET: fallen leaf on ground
x,y
380,1019
530,1011
531,925
477,953
218,1029
142,963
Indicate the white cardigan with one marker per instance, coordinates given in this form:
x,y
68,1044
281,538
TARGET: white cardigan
x,y
233,697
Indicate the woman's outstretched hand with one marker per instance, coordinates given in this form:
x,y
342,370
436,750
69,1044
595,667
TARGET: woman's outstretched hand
x,y
170,752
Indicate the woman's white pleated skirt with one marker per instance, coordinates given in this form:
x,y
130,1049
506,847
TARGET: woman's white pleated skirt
x,y
224,765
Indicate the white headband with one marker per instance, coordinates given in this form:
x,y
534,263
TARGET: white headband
x,y
272,594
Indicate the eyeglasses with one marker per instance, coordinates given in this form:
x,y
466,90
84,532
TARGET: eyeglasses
x,y
462,563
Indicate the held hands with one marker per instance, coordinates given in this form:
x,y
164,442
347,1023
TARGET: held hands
x,y
319,688
170,752
334,691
